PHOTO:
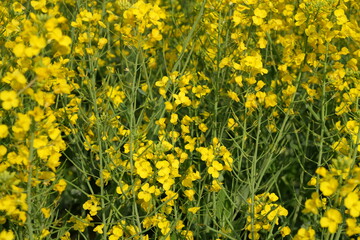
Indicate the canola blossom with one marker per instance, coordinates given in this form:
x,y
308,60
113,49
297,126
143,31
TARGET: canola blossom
x,y
159,119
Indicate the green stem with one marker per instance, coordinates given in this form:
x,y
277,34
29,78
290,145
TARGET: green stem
x,y
254,173
28,190
99,141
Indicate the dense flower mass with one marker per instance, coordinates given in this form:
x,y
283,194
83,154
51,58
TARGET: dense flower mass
x,y
159,119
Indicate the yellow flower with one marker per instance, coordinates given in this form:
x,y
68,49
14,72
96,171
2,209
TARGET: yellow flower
x,y
116,95
233,96
257,20
123,188
331,220
92,205
232,124
270,100
116,232
36,43
170,198
162,82
251,101
215,186
81,223
304,234
102,42
225,62
39,5
215,168
60,186
352,227
106,176
40,141
3,151
16,79
259,85
207,155
285,231
155,35
19,50
63,41
190,194
168,106
174,118
66,236
352,203
203,127
181,98
4,131
328,186
322,171
164,168
342,146
18,7
200,90
46,212
290,90
342,108
239,80
146,192
161,123
164,225
22,123
190,177
143,168
340,16
312,205
99,228
272,197
54,133
261,96
9,99
44,98
260,13
194,209
279,211
7,235
300,18
44,233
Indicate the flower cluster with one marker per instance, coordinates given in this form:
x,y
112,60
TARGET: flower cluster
x,y
338,203
264,214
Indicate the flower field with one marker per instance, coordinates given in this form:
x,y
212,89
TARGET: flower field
x,y
175,119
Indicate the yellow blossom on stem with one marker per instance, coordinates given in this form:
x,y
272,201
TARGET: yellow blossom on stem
x,y
146,192
352,203
352,227
60,186
285,231
4,131
92,205
305,234
194,209
7,235
190,194
46,212
99,228
215,168
312,205
233,96
332,218
328,186
9,99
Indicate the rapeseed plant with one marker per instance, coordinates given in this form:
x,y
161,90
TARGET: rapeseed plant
x,y
179,120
